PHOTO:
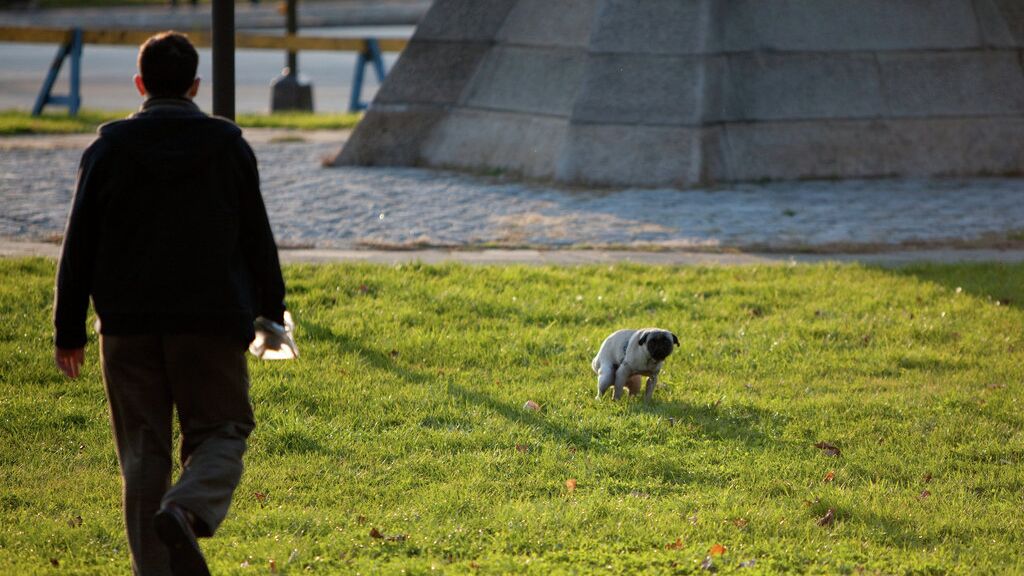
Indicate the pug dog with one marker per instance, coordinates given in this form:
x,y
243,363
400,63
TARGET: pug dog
x,y
627,355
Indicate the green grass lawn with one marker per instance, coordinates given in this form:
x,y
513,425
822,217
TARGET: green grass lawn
x,y
21,122
404,419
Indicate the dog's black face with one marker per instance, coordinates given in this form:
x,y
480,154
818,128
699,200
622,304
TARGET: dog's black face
x,y
659,344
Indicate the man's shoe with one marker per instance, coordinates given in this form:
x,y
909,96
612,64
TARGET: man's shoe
x,y
175,530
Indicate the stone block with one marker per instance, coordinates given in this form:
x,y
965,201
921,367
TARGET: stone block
x,y
873,148
654,27
974,83
519,79
807,149
801,86
1001,22
480,140
683,92
463,20
631,155
549,23
847,25
957,147
389,136
432,72
644,89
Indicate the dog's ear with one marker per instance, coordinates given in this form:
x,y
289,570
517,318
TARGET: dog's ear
x,y
643,338
675,340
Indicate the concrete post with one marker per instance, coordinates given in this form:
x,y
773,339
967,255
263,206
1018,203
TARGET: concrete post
x,y
288,91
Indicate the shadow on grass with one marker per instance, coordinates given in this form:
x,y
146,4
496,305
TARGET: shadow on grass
x,y
745,424
1002,284
738,423
897,532
580,436
379,359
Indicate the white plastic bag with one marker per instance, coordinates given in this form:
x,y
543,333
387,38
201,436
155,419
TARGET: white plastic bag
x,y
274,341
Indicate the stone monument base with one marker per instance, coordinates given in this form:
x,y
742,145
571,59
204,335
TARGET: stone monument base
x,y
693,92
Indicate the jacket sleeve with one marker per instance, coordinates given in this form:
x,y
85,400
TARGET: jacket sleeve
x,y
258,240
78,255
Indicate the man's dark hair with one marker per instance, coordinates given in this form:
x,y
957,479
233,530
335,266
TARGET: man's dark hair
x,y
167,64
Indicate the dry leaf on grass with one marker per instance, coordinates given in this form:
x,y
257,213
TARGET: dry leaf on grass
x,y
828,518
531,405
677,545
261,498
75,522
374,533
829,477
717,550
570,484
54,562
924,494
522,448
827,449
273,566
927,477
740,522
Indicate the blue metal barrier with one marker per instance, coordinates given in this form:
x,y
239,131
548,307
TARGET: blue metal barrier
x,y
370,54
71,49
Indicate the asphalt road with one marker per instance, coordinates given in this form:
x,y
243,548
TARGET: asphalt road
x,y
107,73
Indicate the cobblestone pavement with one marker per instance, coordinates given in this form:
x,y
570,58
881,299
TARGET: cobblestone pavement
x,y
347,208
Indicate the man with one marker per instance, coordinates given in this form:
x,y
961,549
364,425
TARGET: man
x,y
169,235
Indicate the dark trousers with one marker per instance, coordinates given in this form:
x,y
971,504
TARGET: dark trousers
x,y
206,378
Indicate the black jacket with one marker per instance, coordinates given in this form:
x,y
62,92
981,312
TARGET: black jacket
x,y
168,232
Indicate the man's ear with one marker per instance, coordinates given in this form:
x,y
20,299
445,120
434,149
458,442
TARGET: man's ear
x,y
194,89
137,79
643,338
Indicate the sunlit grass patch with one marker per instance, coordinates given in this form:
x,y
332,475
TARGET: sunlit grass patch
x,y
398,441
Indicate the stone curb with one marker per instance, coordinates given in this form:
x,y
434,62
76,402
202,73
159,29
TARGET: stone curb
x,y
14,249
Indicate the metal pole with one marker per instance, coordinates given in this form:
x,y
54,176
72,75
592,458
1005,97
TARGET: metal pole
x,y
293,27
224,58
75,96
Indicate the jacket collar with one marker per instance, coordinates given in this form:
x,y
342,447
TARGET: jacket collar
x,y
155,103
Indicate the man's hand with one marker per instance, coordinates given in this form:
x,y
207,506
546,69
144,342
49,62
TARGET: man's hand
x,y
69,360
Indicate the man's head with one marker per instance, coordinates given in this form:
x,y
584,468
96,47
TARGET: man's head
x,y
167,67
